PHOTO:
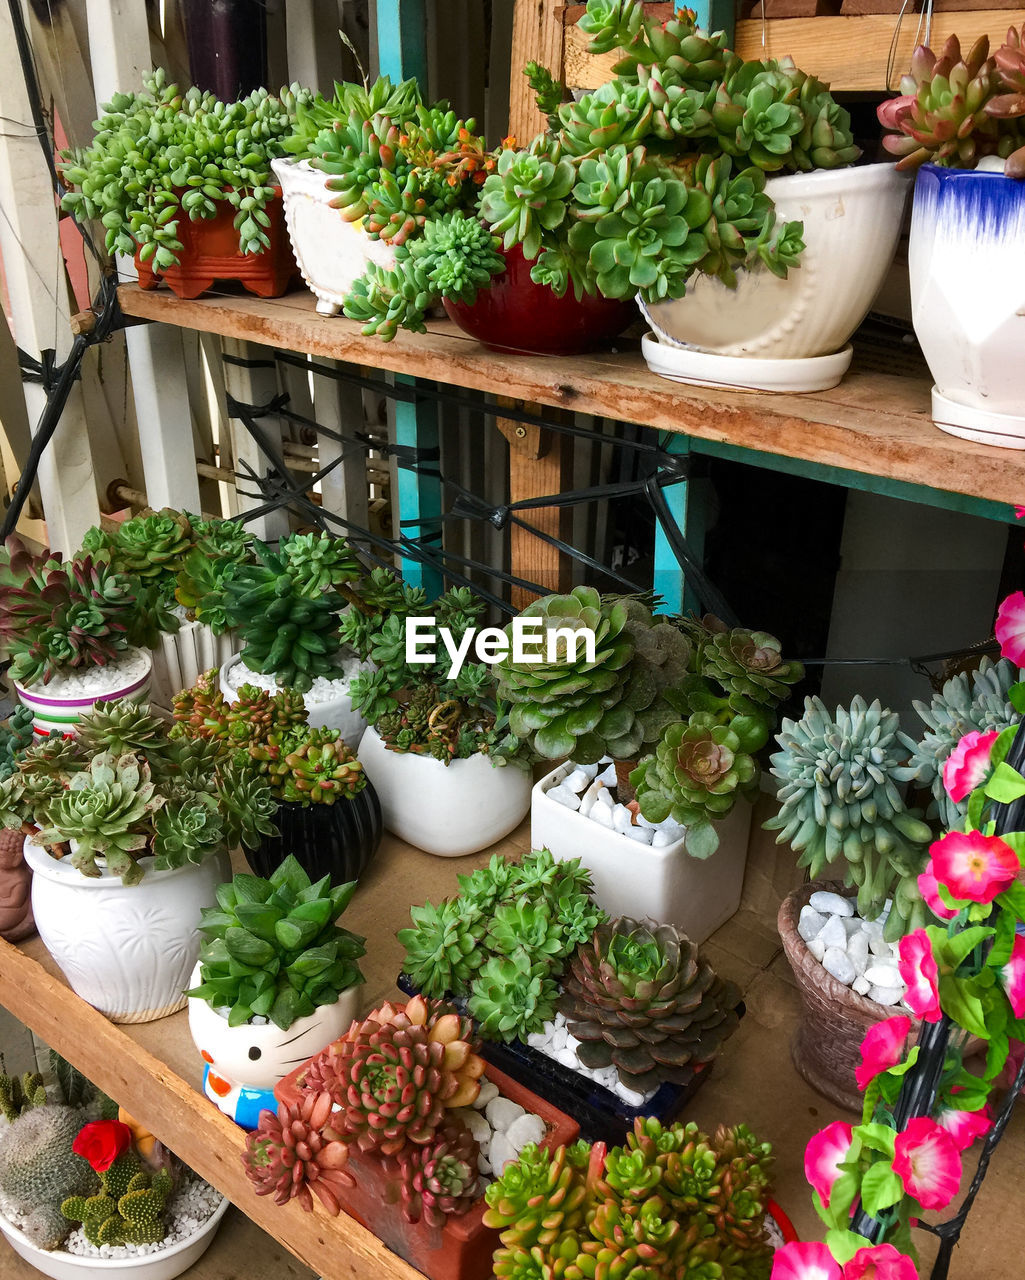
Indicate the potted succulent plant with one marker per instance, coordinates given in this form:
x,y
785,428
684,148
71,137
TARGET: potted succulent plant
x,y
410,1172
611,1019
73,632
183,181
85,1191
285,607
128,835
698,182
15,874
670,1202
277,979
677,709
328,815
958,122
451,777
174,556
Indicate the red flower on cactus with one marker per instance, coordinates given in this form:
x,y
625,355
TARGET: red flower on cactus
x,y
918,969
928,887
972,866
101,1142
824,1154
1010,628
965,1127
967,766
882,1048
1012,975
927,1161
805,1260
880,1262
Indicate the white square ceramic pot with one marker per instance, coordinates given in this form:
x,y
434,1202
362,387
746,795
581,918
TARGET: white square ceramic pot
x,y
632,879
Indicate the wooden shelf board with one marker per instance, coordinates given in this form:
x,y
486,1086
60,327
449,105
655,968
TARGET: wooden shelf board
x,y
850,54
154,1071
874,423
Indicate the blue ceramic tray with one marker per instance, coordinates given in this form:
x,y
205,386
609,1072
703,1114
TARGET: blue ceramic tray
x,y
603,1116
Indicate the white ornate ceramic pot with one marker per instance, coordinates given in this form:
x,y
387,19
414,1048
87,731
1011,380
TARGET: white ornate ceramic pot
x,y
127,950
451,809
852,221
243,1064
331,252
967,266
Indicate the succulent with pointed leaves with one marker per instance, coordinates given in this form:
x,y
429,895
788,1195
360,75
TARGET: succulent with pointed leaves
x,y
512,996
527,195
438,1179
443,947
642,1000
123,726
297,1154
318,562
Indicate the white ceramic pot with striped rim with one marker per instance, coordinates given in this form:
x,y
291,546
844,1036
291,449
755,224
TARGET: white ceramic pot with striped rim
x,y
60,704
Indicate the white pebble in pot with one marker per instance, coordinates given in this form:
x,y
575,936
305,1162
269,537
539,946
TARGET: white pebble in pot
x,y
501,1112
502,1152
831,904
487,1092
835,961
810,923
833,933
528,1128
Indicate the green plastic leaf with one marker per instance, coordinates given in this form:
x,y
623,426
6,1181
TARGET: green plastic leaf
x,y
844,1244
1005,784
960,1001
877,1137
880,1188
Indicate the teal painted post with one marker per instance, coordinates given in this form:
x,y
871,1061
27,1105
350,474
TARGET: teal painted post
x,y
401,53
715,15
668,577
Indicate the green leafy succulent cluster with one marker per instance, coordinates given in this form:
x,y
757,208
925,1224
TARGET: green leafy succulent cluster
x,y
16,736
126,789
273,949
160,154
955,109
268,744
840,802
416,706
672,1203
128,1207
503,941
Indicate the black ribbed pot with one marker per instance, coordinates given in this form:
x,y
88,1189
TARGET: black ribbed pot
x,y
336,840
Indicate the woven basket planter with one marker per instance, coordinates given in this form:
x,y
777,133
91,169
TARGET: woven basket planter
x,y
827,1047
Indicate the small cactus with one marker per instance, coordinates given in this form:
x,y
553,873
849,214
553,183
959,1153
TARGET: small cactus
x,y
38,1169
19,1094
128,1208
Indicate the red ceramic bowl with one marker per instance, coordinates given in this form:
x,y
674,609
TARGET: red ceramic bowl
x,y
515,315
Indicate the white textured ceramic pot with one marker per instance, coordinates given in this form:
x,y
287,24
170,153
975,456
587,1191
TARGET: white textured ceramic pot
x,y
450,810
332,253
632,879
852,221
244,1063
183,657
163,1265
967,267
53,708
337,713
126,950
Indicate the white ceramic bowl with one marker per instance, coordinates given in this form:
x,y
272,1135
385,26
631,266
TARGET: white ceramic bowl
x,y
165,1265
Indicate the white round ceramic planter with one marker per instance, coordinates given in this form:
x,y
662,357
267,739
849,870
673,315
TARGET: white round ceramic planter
x,y
967,268
51,709
332,254
338,713
795,329
163,1265
244,1063
126,950
450,810
633,879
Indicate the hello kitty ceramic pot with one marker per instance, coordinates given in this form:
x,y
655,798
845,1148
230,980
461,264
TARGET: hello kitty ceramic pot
x,y
243,1064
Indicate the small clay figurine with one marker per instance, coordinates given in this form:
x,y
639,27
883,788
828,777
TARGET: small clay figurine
x,y
15,888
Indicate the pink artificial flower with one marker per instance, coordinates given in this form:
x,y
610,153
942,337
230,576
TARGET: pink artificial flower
x,y
927,1161
918,969
1010,628
972,866
1019,513
927,887
965,1126
805,1260
823,1154
967,766
1013,976
882,1048
880,1262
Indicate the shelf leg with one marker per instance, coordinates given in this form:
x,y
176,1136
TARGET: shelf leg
x,y
402,39
540,463
716,15
687,509
418,493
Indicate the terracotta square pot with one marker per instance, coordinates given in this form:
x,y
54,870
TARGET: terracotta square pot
x,y
462,1249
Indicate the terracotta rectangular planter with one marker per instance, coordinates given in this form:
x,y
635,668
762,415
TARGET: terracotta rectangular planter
x,y
210,252
463,1248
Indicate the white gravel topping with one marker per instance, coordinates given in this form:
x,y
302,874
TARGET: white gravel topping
x,y
590,789
555,1041
320,692
853,950
96,682
502,1129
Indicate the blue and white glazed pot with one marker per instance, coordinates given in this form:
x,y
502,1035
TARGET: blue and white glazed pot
x,y
966,261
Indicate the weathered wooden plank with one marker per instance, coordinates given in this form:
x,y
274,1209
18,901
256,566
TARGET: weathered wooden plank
x,y
872,424
537,37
